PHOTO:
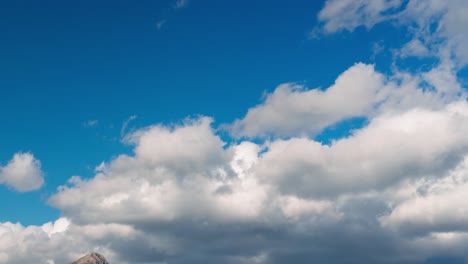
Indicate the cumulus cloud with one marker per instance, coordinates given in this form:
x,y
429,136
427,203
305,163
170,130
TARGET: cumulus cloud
x,y
182,147
22,173
250,203
294,110
219,200
425,210
417,143
177,172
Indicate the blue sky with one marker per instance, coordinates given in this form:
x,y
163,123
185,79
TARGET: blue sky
x,y
68,63
134,85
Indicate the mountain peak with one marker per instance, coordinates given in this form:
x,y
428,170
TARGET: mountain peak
x,y
93,258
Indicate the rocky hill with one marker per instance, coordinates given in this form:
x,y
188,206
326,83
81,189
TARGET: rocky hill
x,y
93,258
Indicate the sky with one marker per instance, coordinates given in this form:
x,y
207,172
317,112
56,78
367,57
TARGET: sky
x,y
203,131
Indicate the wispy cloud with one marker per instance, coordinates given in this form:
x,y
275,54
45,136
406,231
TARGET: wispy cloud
x,y
125,124
181,4
178,4
91,123
160,24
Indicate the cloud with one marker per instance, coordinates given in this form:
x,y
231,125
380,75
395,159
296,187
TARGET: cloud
x,y
348,14
176,172
178,4
160,24
23,173
125,125
245,213
56,242
428,206
293,110
418,143
188,147
181,4
91,123
436,25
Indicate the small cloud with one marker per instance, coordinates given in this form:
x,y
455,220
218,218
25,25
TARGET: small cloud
x,y
23,173
101,167
160,24
377,48
91,123
125,124
178,4
316,33
181,4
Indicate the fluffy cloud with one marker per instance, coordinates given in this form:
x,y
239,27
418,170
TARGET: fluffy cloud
x,y
192,146
176,173
428,205
294,110
391,148
249,205
23,173
213,195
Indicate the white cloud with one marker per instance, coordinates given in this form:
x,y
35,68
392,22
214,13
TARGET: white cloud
x,y
23,173
176,172
350,14
391,148
436,25
415,48
435,206
57,242
192,146
293,110
182,179
296,186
